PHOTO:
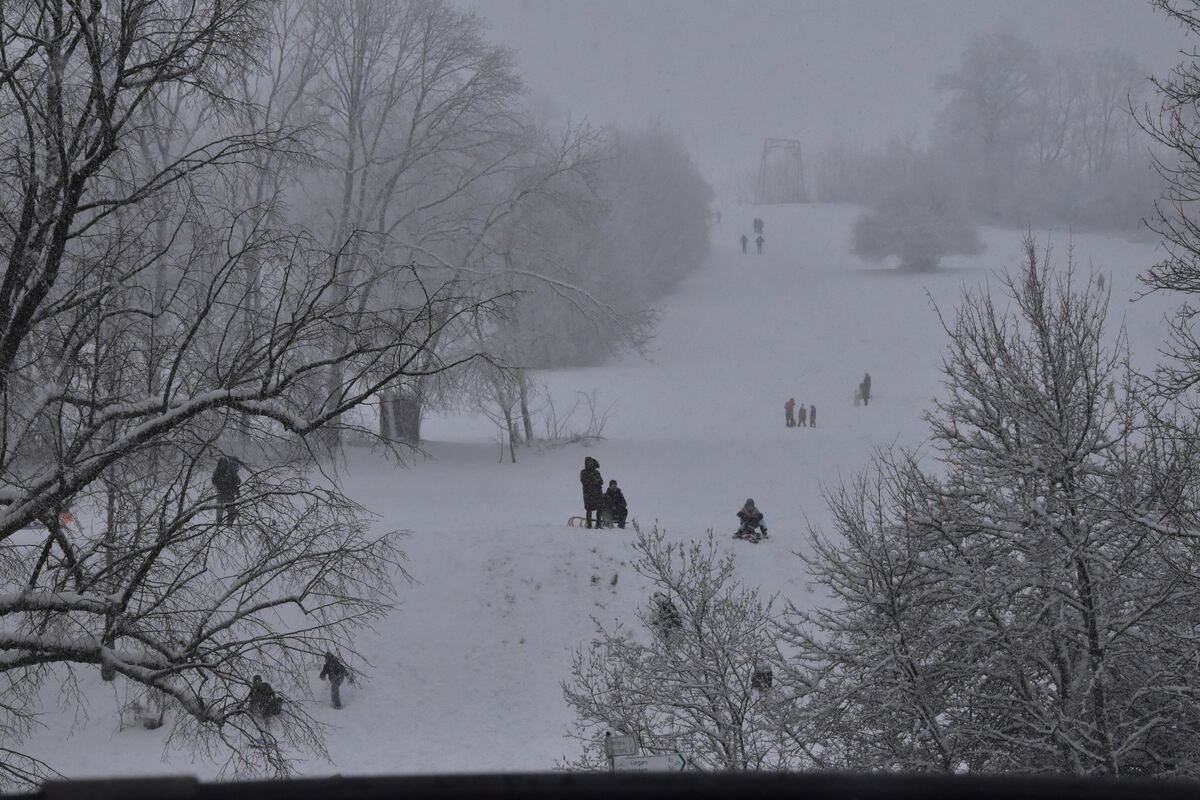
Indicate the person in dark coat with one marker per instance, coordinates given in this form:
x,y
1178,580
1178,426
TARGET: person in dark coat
x,y
228,484
614,503
262,700
336,672
593,490
744,242
802,416
758,242
752,521
665,616
789,412
864,389
812,416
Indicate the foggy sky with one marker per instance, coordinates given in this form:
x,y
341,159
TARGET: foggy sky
x,y
727,74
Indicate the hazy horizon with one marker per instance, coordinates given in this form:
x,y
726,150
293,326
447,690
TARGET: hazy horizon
x,y
727,74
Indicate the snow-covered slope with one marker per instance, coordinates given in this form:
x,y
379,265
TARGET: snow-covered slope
x,y
465,674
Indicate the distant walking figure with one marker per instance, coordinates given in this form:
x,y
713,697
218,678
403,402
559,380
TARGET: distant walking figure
x,y
864,389
758,225
802,417
336,672
758,242
744,242
1100,282
227,482
812,416
788,412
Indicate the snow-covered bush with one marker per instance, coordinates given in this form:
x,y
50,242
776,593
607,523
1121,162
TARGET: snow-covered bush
x,y
916,216
688,687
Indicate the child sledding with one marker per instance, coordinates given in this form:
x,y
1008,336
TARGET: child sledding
x,y
752,527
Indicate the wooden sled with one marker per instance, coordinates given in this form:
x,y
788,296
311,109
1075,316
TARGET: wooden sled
x,y
579,522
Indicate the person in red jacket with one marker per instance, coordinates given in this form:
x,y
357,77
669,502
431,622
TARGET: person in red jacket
x,y
789,410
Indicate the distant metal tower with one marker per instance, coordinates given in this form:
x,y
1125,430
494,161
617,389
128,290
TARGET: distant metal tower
x,y
781,180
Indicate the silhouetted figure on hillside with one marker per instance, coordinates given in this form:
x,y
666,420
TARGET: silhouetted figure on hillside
x,y
228,484
262,701
762,678
336,672
758,242
665,617
864,389
744,242
752,522
615,505
593,490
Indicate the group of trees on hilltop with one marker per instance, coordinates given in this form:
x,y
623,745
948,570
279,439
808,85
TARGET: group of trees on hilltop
x,y
1017,595
1024,137
230,228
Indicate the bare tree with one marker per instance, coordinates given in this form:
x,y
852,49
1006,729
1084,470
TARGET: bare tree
x,y
699,682
119,427
1176,127
987,117
1021,608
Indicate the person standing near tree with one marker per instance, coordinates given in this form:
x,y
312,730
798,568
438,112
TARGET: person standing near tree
x,y
593,490
262,701
336,672
228,483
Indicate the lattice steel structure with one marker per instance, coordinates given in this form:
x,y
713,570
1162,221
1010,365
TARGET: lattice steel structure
x,y
781,172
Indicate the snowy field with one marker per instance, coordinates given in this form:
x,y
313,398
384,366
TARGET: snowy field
x,y
465,674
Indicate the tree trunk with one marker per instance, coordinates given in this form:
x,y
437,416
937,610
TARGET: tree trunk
x,y
400,418
523,388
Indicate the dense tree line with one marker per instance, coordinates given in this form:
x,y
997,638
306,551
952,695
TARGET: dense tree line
x,y
1026,137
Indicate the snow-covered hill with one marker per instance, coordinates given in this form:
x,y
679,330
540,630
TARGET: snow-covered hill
x,y
465,674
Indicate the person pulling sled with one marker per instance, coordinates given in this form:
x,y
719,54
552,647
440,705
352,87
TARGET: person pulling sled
x,y
752,527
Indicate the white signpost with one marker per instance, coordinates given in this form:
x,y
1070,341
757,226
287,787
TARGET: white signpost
x,y
673,762
620,746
